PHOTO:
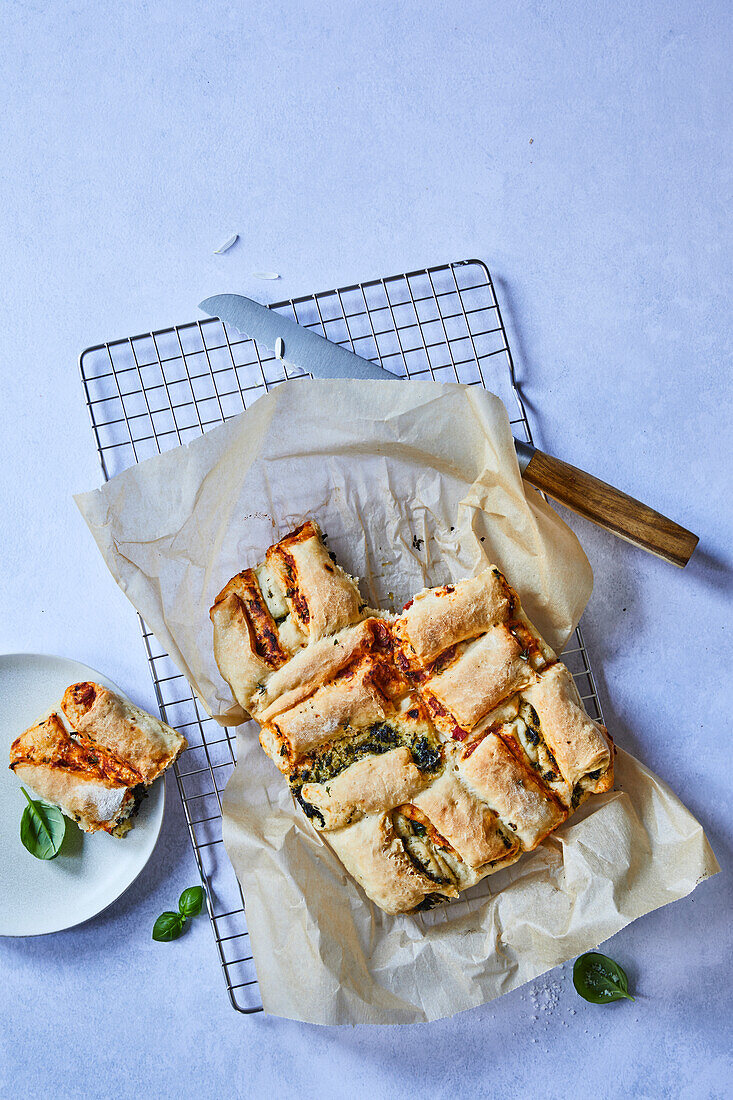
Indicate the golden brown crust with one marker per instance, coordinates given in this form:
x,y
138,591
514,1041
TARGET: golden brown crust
x,y
122,729
235,649
372,852
374,784
577,743
78,699
49,743
534,646
483,673
511,790
467,823
89,786
320,595
310,667
352,700
440,617
263,631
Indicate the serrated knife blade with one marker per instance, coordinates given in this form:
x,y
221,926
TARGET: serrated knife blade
x,y
587,495
302,348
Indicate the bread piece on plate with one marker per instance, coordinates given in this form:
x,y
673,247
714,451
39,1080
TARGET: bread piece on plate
x,y
101,717
91,787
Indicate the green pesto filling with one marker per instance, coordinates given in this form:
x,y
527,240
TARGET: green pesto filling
x,y
374,741
429,902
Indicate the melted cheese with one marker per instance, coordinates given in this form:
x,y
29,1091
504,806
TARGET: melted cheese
x,y
527,730
429,859
272,592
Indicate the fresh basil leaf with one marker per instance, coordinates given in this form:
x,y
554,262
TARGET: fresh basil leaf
x,y
599,979
42,828
190,901
168,927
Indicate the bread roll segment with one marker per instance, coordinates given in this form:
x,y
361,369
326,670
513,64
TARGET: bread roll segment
x,y
485,672
374,854
440,617
430,749
372,784
320,595
513,792
123,730
90,787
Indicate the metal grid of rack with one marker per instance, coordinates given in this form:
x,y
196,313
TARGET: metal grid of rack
x,y
150,392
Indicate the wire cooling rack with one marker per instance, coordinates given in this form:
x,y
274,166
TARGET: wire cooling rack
x,y
154,391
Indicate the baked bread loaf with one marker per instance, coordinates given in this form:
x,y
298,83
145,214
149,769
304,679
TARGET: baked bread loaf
x,y
94,756
431,748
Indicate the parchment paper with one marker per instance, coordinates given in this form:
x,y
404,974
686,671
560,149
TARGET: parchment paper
x,y
415,484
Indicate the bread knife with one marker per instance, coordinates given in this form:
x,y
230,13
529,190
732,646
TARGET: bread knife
x,y
590,497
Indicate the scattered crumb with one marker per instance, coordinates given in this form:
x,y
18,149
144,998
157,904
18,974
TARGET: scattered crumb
x,y
227,245
531,140
265,275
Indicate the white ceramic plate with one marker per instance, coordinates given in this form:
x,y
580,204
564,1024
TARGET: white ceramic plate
x,y
92,869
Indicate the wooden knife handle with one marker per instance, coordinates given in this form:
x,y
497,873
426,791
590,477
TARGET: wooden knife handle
x,y
610,508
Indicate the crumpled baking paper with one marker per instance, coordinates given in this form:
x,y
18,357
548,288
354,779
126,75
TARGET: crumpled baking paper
x,y
415,485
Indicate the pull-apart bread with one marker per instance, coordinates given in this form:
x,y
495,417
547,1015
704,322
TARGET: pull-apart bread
x,y
94,756
430,749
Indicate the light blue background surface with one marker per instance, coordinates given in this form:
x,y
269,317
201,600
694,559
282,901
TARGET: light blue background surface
x,y
583,151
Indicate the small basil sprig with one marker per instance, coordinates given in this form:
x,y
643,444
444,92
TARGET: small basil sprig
x,y
190,901
169,925
599,979
42,828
